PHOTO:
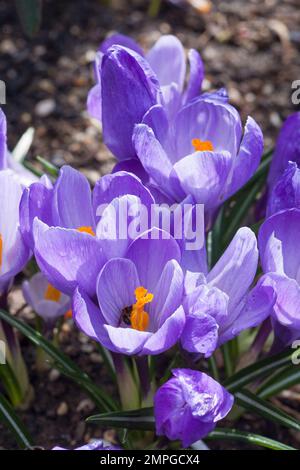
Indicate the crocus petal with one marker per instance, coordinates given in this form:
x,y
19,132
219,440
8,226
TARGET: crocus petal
x,y
120,40
204,299
94,101
36,201
89,319
116,284
200,334
67,257
207,118
287,148
235,270
72,203
155,161
3,145
14,252
167,59
254,308
278,239
157,120
127,340
286,310
286,191
248,157
203,175
150,253
196,76
167,335
134,166
119,184
129,88
167,294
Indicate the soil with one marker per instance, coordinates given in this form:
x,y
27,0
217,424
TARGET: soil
x,y
250,47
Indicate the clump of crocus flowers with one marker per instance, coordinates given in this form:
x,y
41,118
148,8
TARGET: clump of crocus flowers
x,y
162,315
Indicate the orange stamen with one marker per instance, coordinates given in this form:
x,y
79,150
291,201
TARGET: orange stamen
x,y
202,145
139,318
52,293
68,314
88,230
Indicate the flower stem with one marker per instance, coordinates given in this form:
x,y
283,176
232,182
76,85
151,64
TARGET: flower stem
x,y
128,391
145,383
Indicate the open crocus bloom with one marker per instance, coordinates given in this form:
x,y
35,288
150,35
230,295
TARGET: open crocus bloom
x,y
139,297
48,302
60,224
287,148
189,405
278,239
167,62
202,152
221,305
13,252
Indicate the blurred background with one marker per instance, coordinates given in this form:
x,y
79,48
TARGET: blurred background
x,y
252,48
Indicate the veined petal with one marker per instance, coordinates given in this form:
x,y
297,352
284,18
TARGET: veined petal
x,y
67,257
129,88
203,175
150,253
235,270
72,200
167,59
116,285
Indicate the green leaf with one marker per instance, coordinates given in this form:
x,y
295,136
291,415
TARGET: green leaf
x,y
281,380
261,368
11,385
49,167
9,417
248,438
141,419
30,12
63,363
257,405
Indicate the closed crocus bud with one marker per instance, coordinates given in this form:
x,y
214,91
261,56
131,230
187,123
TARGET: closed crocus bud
x,y
189,405
48,302
286,191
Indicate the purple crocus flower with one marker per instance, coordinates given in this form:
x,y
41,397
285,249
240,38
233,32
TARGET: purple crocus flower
x,y
285,193
202,152
13,252
60,224
46,301
139,298
98,444
189,405
278,241
132,84
287,148
221,305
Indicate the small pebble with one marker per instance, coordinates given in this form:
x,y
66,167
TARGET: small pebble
x,y
54,374
45,107
86,405
62,409
96,358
